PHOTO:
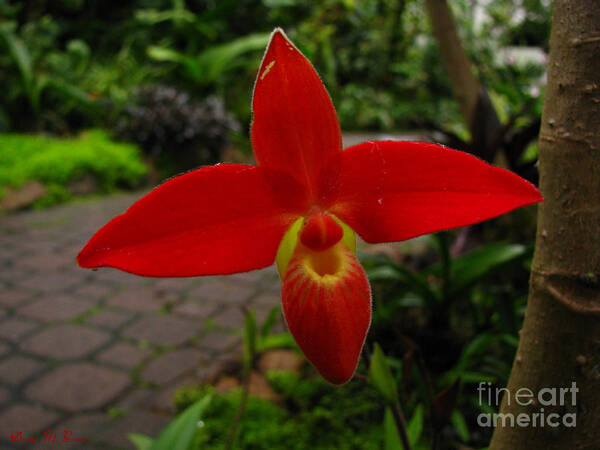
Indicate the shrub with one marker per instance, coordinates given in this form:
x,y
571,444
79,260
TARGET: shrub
x,y
169,125
56,162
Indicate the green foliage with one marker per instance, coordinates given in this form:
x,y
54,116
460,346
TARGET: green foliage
x,y
512,64
56,162
141,441
415,425
381,376
212,64
378,59
440,284
250,335
456,317
180,433
391,437
472,267
264,339
347,417
42,76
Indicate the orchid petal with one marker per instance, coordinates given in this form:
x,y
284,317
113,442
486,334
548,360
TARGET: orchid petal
x,y
327,307
295,128
216,220
392,191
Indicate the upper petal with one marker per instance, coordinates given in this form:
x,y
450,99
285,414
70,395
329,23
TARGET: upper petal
x,y
392,191
215,220
294,128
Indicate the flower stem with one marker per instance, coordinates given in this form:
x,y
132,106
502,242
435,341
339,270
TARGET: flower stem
x,y
240,412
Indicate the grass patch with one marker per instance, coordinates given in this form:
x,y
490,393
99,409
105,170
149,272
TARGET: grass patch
x,y
56,162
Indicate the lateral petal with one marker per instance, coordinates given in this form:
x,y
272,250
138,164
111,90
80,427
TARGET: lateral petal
x,y
215,220
327,306
295,128
392,191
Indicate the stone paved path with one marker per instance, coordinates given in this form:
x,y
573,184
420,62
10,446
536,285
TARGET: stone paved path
x,y
100,353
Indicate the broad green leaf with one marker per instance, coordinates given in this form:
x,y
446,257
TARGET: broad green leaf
x,y
383,273
68,91
141,441
164,54
511,340
475,347
392,438
279,3
410,300
478,264
381,376
280,340
211,64
460,425
415,425
477,377
180,433
469,356
153,16
20,54
269,322
217,60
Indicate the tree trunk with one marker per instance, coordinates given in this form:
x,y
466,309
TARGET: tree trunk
x,y
560,339
476,108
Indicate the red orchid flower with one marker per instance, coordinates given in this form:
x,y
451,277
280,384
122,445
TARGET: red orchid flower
x,y
301,206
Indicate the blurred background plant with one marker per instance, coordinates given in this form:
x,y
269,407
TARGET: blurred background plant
x,y
70,65
379,59
174,130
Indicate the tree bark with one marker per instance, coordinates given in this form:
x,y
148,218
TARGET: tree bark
x,y
560,339
475,105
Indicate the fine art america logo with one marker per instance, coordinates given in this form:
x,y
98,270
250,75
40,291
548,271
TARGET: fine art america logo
x,y
542,406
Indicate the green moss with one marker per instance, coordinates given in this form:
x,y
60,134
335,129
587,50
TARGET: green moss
x,y
56,162
313,414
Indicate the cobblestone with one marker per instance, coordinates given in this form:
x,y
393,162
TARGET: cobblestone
x,y
65,342
4,396
196,308
146,299
18,368
218,341
4,349
171,365
221,291
93,290
49,282
78,387
162,330
84,425
67,374
28,419
13,329
229,318
12,297
123,355
110,319
137,422
56,308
